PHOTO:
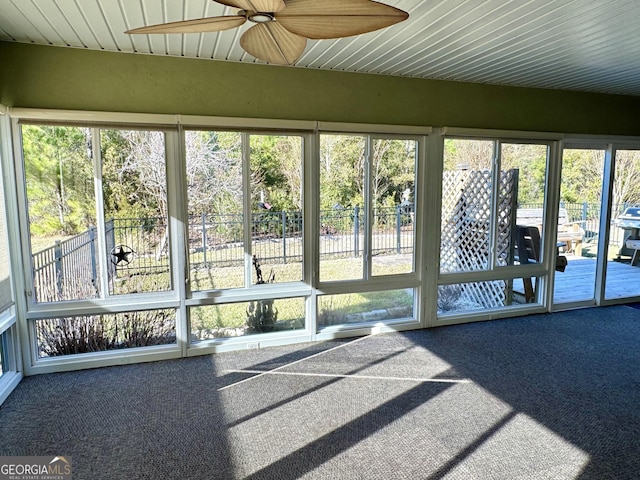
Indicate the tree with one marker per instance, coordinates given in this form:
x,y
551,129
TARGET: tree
x,y
392,171
214,172
582,175
468,154
276,171
626,186
59,179
531,162
143,163
342,170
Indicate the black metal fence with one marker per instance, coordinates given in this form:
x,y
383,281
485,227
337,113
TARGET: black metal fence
x,y
277,236
66,270
69,270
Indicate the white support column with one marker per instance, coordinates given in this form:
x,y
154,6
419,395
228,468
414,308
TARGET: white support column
x,y
368,208
420,226
608,180
552,204
311,225
15,197
102,239
430,176
246,208
495,201
10,318
178,224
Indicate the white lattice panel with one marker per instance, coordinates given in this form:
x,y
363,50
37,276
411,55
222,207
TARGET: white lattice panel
x,y
467,225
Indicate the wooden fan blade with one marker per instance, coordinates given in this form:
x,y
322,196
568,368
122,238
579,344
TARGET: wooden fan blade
x,y
200,25
269,6
337,18
273,43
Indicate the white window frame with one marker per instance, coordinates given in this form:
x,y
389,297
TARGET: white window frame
x,y
31,311
174,125
542,271
251,292
12,366
370,283
610,145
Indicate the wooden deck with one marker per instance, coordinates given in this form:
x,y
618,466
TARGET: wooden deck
x,y
577,282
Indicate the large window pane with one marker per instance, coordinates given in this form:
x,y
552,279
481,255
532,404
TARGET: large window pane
x,y
524,168
393,171
369,307
97,333
135,209
276,207
247,318
60,192
215,196
466,205
342,219
489,217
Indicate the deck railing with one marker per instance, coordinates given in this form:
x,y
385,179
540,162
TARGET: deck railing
x,y
588,216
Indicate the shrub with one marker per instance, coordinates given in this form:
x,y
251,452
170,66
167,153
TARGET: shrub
x,y
261,314
96,333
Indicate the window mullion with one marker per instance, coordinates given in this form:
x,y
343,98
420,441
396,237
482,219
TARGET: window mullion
x,y
246,207
495,201
97,179
368,208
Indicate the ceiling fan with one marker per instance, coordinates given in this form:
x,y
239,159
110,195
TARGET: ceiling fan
x,y
282,27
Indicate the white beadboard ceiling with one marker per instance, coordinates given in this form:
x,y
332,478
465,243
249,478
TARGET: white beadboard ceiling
x,y
586,45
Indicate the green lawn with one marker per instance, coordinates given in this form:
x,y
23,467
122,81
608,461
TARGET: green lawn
x,y
231,319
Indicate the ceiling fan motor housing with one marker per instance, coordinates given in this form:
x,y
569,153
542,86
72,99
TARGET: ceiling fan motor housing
x,y
258,17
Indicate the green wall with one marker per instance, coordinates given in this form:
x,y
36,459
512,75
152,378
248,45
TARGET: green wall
x,y
64,78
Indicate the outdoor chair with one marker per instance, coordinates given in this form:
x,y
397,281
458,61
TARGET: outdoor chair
x,y
570,234
527,250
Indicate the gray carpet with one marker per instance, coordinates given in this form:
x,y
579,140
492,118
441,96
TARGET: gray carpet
x,y
540,397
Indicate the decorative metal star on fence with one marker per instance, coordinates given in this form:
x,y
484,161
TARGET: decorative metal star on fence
x,y
121,254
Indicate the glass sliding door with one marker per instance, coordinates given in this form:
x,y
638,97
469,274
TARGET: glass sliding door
x,y
579,224
623,255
